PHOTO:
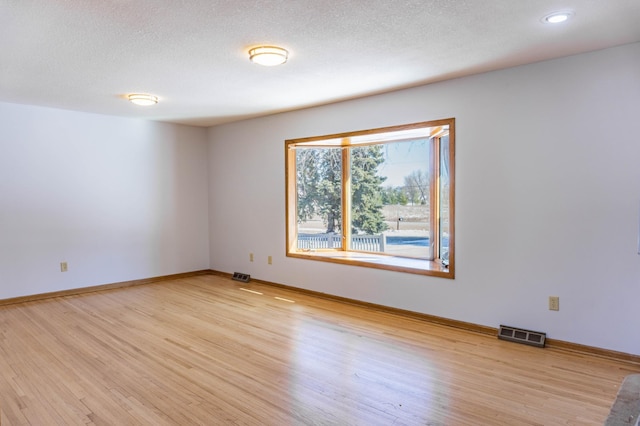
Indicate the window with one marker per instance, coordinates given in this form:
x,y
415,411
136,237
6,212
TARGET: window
x,y
381,198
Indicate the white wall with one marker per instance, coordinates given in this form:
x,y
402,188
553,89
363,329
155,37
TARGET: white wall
x,y
547,203
118,199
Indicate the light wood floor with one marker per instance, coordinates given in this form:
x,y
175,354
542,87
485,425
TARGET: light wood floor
x,y
203,351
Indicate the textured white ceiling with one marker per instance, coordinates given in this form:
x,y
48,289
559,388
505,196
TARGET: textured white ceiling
x,y
87,55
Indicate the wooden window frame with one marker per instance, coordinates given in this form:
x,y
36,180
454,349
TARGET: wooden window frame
x,y
431,267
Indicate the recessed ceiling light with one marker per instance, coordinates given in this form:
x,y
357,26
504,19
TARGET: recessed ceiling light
x,y
557,17
268,55
143,99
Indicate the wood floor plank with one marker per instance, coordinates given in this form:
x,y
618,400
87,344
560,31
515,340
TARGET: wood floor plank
x,y
200,350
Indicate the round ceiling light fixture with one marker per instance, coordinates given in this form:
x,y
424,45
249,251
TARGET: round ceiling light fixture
x,y
557,17
268,56
143,99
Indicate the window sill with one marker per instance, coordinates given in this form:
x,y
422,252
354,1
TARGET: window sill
x,y
378,261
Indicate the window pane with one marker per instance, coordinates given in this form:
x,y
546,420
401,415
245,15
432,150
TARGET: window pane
x,y
444,199
390,198
319,201
367,219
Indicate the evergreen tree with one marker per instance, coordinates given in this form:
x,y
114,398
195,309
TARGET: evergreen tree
x,y
308,178
366,190
319,177
394,195
330,188
319,180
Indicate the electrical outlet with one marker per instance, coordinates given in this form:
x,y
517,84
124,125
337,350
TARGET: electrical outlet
x,y
554,303
63,266
250,257
270,260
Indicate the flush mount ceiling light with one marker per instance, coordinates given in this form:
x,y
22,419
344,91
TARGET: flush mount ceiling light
x,y
268,56
557,17
143,99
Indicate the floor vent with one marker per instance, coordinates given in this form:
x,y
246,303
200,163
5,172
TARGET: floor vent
x,y
239,276
528,337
